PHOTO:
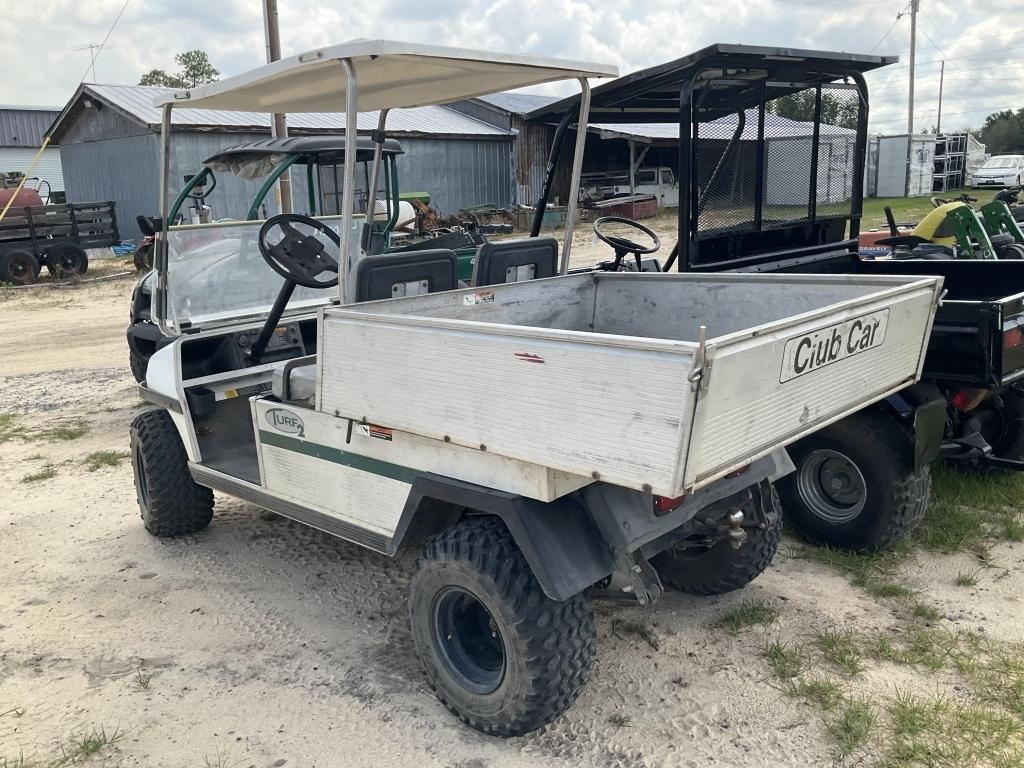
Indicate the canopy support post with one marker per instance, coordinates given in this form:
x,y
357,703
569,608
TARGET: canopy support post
x,y
349,180
160,238
577,168
371,195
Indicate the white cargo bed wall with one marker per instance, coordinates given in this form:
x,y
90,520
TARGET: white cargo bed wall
x,y
589,374
537,395
755,396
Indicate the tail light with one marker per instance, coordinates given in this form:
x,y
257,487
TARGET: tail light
x,y
663,504
1013,337
968,399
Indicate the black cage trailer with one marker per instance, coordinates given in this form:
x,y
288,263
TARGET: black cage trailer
x,y
770,164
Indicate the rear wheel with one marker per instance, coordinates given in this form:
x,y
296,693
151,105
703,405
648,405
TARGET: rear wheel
x,y
18,266
1012,251
171,502
498,652
855,485
1002,426
66,259
721,568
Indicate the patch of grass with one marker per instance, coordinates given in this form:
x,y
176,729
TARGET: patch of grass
x,y
9,427
996,674
750,613
786,661
88,743
47,472
851,727
964,579
619,720
972,508
69,430
823,692
99,459
920,610
919,646
842,648
939,733
874,573
142,681
622,627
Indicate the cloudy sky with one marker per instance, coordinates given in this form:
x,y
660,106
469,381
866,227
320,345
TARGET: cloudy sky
x,y
982,40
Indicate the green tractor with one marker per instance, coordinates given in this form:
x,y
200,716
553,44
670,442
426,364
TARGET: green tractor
x,y
320,160
956,230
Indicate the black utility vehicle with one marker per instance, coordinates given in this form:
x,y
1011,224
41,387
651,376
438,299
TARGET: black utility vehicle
x,y
771,166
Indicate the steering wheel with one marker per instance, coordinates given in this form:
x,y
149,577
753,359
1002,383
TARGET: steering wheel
x,y
297,256
621,245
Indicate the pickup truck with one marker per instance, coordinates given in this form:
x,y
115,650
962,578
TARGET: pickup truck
x,y
659,182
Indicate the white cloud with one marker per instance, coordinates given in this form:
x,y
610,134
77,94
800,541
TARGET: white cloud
x,y
983,39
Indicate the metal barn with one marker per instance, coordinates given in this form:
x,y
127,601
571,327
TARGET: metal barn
x,y
108,137
22,130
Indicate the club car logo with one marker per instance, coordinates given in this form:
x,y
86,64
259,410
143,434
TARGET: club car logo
x,y
286,421
811,351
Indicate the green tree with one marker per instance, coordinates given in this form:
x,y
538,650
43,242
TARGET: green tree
x,y
196,69
800,106
1003,132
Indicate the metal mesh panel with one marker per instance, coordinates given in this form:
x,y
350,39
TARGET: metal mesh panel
x,y
725,165
788,149
840,111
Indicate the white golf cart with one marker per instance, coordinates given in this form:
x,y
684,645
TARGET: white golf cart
x,y
531,431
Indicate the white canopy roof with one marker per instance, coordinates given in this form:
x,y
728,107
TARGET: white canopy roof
x,y
389,74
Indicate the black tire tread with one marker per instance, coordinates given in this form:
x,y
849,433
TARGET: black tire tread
x,y
909,495
178,506
561,636
735,567
138,364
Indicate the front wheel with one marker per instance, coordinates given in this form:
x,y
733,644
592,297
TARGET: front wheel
x,y
855,486
171,502
498,652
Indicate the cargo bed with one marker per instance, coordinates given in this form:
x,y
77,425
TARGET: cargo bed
x,y
604,374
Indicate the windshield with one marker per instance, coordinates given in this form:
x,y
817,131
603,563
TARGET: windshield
x,y
215,273
1008,161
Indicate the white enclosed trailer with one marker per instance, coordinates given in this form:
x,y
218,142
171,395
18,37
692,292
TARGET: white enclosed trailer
x,y
532,433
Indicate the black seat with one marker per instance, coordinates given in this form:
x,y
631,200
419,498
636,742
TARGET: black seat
x,y
513,261
391,276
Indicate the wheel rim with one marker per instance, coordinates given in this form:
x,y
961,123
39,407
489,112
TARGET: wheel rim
x,y
831,486
19,266
468,641
141,486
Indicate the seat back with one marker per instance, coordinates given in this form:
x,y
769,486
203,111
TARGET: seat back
x,y
393,275
513,261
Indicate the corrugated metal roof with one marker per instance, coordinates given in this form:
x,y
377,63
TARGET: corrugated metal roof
x,y
775,127
137,101
25,126
518,103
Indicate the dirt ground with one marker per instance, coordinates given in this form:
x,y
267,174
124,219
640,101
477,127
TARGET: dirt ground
x,y
264,643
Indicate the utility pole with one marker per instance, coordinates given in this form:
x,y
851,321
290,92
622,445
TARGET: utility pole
x,y
913,53
942,77
280,126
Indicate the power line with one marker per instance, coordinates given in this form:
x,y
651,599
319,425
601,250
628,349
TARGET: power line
x,y
99,49
889,31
